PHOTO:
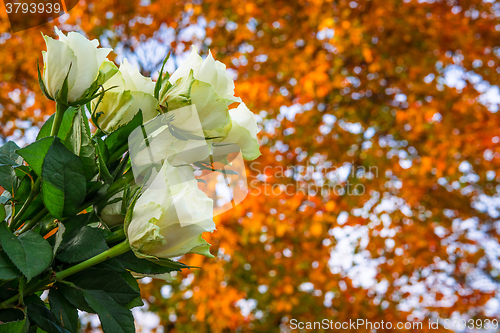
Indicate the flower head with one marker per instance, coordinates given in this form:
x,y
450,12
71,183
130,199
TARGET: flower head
x,y
128,93
76,54
169,218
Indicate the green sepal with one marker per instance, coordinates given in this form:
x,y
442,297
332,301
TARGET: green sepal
x,y
161,78
179,95
203,249
102,158
106,71
62,93
143,266
40,82
130,212
175,265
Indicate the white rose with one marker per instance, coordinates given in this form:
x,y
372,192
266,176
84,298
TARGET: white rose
x,y
111,214
170,217
209,71
176,137
244,132
132,92
206,85
78,52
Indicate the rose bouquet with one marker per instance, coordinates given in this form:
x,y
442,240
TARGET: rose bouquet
x,y
83,214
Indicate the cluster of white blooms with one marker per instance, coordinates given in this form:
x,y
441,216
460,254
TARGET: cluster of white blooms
x,y
171,214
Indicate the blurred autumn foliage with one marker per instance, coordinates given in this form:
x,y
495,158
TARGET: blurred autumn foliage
x,y
391,91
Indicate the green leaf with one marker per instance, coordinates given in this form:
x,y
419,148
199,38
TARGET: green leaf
x,y
131,280
39,315
8,270
9,288
8,179
64,312
34,208
75,296
35,153
119,138
22,191
64,184
59,237
8,154
143,266
72,226
3,213
9,159
22,171
66,123
30,252
135,302
5,197
114,317
85,244
102,158
93,187
13,321
111,265
108,281
78,141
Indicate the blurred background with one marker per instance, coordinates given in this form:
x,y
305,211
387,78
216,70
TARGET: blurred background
x,y
377,192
